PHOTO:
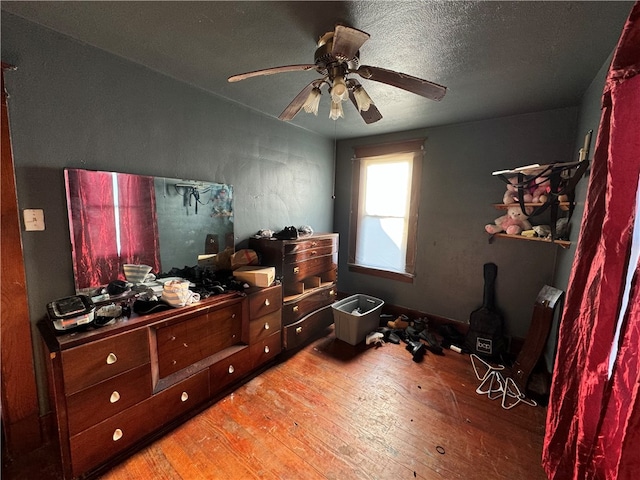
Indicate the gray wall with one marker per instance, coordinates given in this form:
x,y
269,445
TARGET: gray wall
x,y
589,119
71,105
457,194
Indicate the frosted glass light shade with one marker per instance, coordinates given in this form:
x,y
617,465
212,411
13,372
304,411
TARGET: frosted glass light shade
x,y
363,100
336,111
339,91
312,102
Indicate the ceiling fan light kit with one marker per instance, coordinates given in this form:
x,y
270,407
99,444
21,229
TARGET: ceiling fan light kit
x,y
336,57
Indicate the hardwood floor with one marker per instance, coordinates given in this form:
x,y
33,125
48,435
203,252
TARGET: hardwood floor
x,y
333,411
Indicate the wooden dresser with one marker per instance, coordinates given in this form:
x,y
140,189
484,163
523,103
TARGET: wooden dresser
x,y
308,271
119,386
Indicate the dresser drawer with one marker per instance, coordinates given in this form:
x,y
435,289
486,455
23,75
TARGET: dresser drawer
x,y
262,327
301,255
311,244
306,328
267,349
105,399
96,445
264,301
295,310
193,339
230,369
313,266
89,364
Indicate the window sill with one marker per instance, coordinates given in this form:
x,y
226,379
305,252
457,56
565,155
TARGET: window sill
x,y
376,272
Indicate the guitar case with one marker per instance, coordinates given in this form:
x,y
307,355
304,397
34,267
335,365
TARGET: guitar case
x,y
485,336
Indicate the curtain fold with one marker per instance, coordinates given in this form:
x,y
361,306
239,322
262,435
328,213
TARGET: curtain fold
x,y
138,221
593,417
90,200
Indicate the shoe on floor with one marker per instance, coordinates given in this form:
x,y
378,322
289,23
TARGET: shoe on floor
x,y
432,344
389,335
401,322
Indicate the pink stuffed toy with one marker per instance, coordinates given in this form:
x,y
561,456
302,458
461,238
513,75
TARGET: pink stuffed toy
x,y
539,190
513,223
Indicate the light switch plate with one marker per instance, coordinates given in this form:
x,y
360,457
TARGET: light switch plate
x,y
33,219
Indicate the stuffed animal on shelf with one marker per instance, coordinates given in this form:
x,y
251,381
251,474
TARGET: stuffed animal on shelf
x,y
511,194
539,190
513,222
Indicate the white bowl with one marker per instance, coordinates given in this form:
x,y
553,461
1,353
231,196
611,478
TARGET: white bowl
x,y
137,273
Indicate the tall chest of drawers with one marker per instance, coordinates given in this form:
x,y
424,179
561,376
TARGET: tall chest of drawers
x,y
308,271
113,389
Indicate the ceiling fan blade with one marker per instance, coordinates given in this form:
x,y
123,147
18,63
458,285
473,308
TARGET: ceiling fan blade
x,y
270,71
296,104
347,41
416,85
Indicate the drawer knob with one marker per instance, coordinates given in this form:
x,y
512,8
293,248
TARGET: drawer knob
x,y
266,349
296,269
266,326
331,292
173,337
296,308
111,359
173,362
313,252
184,397
231,369
267,302
117,434
313,244
185,345
115,396
298,330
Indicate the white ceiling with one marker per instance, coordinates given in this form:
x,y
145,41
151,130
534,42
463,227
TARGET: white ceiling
x,y
495,58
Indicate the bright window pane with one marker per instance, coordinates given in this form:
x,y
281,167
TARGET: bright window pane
x,y
382,229
381,243
387,189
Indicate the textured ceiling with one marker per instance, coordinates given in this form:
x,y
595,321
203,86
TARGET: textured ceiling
x,y
495,58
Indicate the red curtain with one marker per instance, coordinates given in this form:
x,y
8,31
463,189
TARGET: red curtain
x,y
95,232
593,420
139,242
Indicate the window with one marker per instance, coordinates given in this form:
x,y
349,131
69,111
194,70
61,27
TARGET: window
x,y
384,211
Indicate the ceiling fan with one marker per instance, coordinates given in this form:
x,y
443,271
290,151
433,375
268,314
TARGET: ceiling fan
x,y
337,57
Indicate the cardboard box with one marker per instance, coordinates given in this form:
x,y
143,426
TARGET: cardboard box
x,y
256,276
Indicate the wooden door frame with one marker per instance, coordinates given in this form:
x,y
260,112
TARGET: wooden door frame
x,y
21,430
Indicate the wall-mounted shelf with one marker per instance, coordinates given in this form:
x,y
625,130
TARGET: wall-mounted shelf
x,y
564,206
504,206
560,178
562,243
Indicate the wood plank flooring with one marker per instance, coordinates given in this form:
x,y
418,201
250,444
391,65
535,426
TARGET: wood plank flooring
x,y
333,411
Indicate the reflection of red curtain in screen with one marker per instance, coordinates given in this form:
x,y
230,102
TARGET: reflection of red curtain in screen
x,y
90,196
138,225
92,216
593,420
